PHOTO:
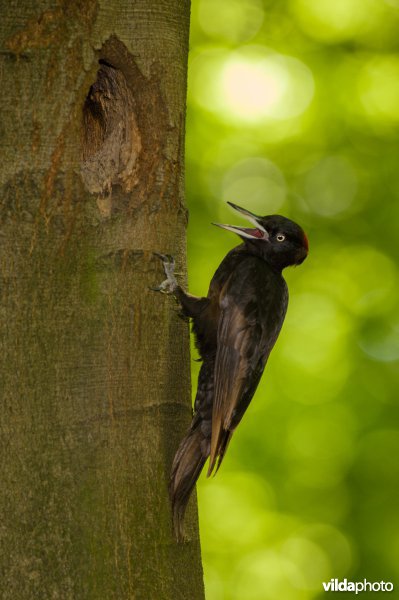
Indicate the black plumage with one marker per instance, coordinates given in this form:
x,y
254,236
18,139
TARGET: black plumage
x,y
236,327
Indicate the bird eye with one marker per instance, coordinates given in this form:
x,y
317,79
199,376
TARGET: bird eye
x,y
280,237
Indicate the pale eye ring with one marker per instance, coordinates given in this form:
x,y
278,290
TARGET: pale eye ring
x,y
280,237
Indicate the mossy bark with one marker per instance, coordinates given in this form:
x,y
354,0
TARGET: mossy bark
x,y
95,379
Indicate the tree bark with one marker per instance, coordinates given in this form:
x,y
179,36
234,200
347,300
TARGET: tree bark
x,y
95,378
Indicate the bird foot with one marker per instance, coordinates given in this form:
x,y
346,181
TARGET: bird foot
x,y
169,285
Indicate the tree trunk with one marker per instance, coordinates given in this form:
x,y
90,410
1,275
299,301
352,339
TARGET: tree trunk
x,y
95,374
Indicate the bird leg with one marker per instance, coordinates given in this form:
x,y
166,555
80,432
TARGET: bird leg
x,y
169,285
191,305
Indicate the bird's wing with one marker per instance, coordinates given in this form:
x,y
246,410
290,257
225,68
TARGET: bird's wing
x,y
238,366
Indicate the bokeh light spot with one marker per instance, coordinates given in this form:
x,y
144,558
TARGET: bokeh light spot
x,y
369,283
255,183
252,90
378,86
360,279
246,500
324,436
271,574
334,544
255,86
320,446
331,186
232,20
311,559
335,21
313,349
325,326
377,457
381,342
250,85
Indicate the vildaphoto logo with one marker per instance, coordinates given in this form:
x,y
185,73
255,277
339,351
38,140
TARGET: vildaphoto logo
x,y
334,585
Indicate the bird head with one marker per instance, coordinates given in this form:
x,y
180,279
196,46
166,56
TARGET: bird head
x,y
278,240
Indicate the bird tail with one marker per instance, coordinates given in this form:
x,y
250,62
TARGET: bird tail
x,y
223,443
187,466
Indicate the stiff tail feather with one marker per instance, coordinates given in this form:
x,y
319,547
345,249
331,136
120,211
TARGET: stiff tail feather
x,y
221,451
187,466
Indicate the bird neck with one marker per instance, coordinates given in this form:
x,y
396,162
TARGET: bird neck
x,y
260,250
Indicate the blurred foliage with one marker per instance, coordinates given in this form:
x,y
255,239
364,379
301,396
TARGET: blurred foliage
x,y
293,107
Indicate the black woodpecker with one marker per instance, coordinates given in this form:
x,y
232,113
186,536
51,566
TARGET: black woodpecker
x,y
236,327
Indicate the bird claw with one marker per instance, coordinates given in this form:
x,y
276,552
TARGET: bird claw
x,y
164,257
169,285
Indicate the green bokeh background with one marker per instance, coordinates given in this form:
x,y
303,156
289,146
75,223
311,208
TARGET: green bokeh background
x,y
293,107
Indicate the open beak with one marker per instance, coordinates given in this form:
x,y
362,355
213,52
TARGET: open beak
x,y
257,233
